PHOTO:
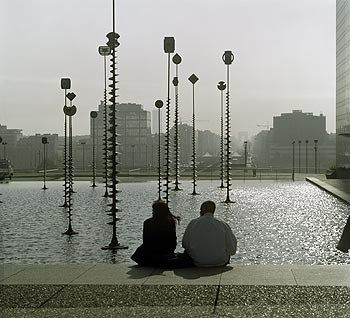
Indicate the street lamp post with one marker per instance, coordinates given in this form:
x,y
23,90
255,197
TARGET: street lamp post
x,y
159,105
315,141
169,47
65,84
222,87
245,153
228,58
299,156
133,156
176,60
93,115
105,51
306,156
44,142
83,143
4,144
193,79
293,162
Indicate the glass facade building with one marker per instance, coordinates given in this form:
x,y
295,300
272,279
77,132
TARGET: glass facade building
x,y
343,84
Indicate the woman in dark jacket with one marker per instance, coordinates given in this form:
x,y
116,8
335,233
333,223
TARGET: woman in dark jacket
x,y
159,239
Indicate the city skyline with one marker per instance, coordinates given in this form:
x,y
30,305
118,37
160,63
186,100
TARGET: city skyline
x,y
284,59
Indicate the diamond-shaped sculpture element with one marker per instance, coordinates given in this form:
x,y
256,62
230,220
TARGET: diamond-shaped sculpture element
x,y
193,79
221,85
71,96
159,103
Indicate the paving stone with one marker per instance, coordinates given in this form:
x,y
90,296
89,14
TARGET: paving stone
x,y
76,296
274,295
284,311
177,295
26,296
120,312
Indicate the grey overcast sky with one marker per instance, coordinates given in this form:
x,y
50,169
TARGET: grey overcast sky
x,y
284,58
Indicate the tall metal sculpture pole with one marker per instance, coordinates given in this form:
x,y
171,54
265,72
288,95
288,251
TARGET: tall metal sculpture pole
x,y
193,79
93,116
169,47
70,112
222,87
105,51
159,105
315,148
65,84
113,143
44,142
176,60
228,58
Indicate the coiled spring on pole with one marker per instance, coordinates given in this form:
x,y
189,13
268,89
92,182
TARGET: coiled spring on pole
x,y
194,168
105,138
65,164
176,140
167,151
228,142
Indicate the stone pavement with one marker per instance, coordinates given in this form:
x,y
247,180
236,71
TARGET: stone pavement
x,y
126,290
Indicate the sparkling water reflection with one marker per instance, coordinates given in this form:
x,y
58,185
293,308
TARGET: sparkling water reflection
x,y
275,222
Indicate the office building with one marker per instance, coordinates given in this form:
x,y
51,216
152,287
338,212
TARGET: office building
x,y
343,84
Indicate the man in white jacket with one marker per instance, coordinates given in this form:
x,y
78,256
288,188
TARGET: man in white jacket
x,y
208,240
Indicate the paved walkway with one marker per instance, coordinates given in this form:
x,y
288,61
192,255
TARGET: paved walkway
x,y
126,290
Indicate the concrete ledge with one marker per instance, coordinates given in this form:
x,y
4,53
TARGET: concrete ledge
x,y
129,274
128,286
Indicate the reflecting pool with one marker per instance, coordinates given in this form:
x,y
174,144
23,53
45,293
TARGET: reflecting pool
x,y
274,222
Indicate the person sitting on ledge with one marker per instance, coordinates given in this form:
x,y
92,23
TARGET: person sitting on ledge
x,y
159,240
208,240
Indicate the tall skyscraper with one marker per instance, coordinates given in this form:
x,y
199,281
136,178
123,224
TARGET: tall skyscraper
x,y
343,84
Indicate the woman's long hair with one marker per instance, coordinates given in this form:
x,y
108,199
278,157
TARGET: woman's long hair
x,y
161,213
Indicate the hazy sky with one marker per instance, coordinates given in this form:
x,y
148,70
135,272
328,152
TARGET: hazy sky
x,y
284,58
